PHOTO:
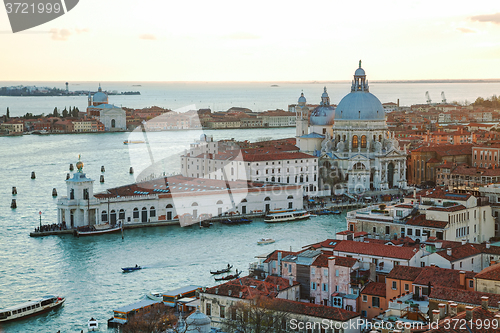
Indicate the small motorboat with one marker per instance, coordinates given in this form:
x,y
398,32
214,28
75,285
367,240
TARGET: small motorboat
x,y
131,269
220,271
236,220
155,295
93,325
264,241
336,212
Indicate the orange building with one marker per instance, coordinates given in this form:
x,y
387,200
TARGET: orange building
x,y
373,300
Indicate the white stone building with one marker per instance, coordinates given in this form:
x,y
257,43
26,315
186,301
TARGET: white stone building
x,y
166,199
270,164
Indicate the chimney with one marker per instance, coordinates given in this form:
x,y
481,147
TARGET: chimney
x,y
448,251
448,307
488,245
433,264
464,241
462,279
442,310
468,312
241,294
398,102
407,328
453,309
435,316
484,302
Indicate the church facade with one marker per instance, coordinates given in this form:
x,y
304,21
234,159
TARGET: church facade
x,y
114,118
357,151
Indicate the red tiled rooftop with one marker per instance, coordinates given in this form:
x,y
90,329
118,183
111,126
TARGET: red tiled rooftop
x,y
463,296
459,252
375,249
441,277
490,273
374,289
408,273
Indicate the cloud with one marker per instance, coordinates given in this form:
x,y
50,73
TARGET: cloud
x,y
242,35
147,37
60,34
81,31
493,18
466,30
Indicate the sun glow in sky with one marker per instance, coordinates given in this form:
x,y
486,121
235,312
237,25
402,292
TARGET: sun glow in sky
x,y
320,40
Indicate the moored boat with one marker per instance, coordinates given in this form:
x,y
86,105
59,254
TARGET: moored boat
x,y
287,216
155,295
31,308
128,142
96,230
336,212
235,220
264,241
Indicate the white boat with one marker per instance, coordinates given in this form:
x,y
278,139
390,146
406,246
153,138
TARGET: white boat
x,y
97,230
264,241
155,295
93,325
287,216
31,308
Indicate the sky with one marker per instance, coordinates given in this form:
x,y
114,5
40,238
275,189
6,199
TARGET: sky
x,y
273,40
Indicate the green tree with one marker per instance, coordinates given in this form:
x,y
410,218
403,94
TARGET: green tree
x,y
74,113
55,113
7,115
65,113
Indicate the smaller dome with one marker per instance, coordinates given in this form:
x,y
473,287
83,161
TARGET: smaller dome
x,y
197,321
322,116
302,99
100,97
79,165
359,72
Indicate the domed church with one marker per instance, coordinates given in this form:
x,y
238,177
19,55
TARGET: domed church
x,y
359,153
113,117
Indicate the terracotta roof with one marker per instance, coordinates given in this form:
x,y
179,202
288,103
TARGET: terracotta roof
x,y
404,206
448,209
313,310
421,221
375,289
441,277
345,261
447,150
251,288
274,255
459,252
408,273
490,273
328,243
321,260
375,249
464,296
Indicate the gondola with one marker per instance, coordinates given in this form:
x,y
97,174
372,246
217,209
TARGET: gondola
x,y
220,271
236,220
229,277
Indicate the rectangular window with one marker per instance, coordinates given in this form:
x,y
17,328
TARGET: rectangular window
x,y
471,283
407,287
394,285
325,271
375,302
417,232
387,230
313,270
410,231
422,264
208,311
313,285
336,272
396,263
325,287
374,230
222,311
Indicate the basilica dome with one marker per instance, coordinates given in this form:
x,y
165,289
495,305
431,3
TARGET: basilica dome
x,y
324,114
360,104
100,97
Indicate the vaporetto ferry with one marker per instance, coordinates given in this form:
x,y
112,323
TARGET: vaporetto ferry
x,y
31,308
287,216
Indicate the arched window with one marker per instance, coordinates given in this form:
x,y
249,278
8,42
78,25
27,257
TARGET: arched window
x,y
113,123
71,194
244,200
290,197
136,213
267,199
152,212
194,204
112,217
273,179
104,216
380,138
354,141
232,171
219,202
363,141
121,215
169,206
